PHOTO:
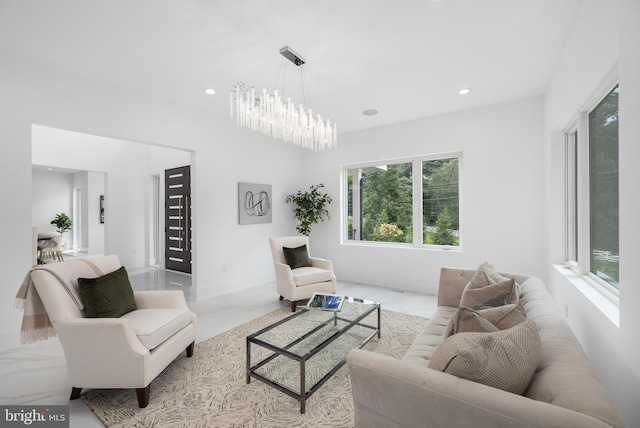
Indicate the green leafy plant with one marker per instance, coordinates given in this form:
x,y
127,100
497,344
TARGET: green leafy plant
x,y
62,222
310,207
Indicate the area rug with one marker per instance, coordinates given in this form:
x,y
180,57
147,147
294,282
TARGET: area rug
x,y
210,389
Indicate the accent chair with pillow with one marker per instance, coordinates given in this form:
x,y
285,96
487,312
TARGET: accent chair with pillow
x,y
298,275
112,336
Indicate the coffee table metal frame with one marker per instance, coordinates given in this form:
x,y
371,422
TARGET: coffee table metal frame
x,y
304,394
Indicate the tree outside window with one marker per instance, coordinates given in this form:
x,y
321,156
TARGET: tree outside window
x,y
381,206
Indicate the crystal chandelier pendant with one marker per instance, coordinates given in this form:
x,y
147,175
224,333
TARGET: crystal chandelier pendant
x,y
269,113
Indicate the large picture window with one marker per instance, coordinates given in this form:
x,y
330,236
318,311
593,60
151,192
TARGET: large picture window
x,y
592,228
408,202
603,189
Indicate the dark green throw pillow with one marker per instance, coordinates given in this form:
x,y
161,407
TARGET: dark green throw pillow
x,y
109,296
297,257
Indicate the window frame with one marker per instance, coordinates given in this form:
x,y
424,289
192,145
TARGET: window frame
x,y
580,124
417,202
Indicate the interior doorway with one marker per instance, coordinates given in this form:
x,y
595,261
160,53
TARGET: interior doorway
x,y
129,225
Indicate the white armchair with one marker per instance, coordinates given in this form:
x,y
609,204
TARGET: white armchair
x,y
125,352
300,283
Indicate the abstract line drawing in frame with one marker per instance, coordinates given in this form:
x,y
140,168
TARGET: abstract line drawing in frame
x,y
254,203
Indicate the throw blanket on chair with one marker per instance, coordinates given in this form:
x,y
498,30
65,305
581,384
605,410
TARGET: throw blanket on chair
x,y
35,321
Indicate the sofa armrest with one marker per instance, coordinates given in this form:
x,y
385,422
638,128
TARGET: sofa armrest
x,y
452,284
160,299
103,351
388,392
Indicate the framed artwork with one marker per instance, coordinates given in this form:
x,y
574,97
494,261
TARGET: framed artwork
x,y
254,203
101,208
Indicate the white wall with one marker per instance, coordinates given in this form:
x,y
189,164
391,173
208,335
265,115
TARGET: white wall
x,y
81,217
604,33
501,194
222,155
95,189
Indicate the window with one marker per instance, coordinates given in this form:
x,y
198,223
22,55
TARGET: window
x,y
592,231
572,196
407,202
603,189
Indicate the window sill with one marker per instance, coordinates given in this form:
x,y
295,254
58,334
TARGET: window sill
x,y
380,244
603,300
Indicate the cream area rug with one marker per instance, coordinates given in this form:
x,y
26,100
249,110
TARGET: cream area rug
x,y
210,389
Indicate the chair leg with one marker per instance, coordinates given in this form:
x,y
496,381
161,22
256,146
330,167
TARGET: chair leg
x,y
143,396
75,393
190,349
293,305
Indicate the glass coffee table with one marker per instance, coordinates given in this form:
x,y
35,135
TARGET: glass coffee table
x,y
300,353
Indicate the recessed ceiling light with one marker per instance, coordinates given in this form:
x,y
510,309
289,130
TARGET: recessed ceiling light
x,y
209,91
49,169
370,112
464,91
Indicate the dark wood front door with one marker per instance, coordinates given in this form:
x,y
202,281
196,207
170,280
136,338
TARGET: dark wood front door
x,y
177,203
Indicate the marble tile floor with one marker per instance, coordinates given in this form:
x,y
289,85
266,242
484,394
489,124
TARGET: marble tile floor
x,y
36,374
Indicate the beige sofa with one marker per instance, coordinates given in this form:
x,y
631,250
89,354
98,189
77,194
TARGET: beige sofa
x,y
564,391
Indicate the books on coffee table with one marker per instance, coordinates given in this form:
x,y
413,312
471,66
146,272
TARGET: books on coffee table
x,y
326,302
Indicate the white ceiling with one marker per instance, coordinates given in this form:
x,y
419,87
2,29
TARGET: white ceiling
x,y
405,58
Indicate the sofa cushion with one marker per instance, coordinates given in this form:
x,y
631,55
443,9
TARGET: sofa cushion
x,y
108,296
309,275
154,326
297,257
481,290
486,320
429,339
505,359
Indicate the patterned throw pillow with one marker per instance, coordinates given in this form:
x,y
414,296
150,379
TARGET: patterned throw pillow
x,y
486,320
494,275
505,359
481,290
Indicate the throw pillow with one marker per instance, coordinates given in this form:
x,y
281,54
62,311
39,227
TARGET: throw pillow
x,y
505,359
486,320
494,302
481,291
297,257
492,272
465,320
496,276
108,296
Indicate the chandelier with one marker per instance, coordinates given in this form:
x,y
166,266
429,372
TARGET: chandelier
x,y
270,113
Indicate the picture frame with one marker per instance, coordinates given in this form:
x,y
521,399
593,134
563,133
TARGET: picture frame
x,y
254,203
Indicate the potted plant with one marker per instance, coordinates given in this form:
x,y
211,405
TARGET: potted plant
x,y
310,207
62,222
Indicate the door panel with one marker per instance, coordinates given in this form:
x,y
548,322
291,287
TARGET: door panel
x,y
178,219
